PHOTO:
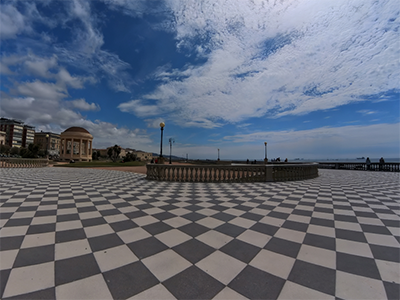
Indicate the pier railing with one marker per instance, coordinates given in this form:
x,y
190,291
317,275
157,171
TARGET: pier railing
x,y
235,173
386,167
9,162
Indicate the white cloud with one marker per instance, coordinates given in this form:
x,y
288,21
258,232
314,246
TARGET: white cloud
x,y
278,58
81,104
366,112
12,22
154,123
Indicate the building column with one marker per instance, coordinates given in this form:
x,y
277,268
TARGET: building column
x,y
80,150
91,147
72,148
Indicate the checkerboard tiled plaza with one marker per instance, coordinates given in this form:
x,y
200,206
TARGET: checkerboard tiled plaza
x,y
97,234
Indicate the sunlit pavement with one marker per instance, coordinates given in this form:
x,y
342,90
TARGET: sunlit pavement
x,y
98,234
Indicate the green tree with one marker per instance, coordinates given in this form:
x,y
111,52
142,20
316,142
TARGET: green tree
x,y
113,152
14,151
5,149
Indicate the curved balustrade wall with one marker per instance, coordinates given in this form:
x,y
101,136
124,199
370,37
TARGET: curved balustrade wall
x,y
387,167
236,173
6,162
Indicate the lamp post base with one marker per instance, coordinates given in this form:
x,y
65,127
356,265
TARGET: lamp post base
x,y
266,160
161,160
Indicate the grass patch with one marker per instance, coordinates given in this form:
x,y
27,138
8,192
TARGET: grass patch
x,y
89,164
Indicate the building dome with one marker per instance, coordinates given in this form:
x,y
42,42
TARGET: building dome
x,y
76,129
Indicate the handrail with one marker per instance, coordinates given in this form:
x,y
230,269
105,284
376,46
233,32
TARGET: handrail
x,y
235,173
10,162
362,166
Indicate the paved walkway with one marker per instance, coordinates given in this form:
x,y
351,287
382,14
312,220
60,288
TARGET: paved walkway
x,y
99,234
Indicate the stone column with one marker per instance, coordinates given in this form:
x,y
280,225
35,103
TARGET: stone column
x,y
72,148
80,150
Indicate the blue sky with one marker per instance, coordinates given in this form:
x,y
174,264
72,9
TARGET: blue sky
x,y
314,79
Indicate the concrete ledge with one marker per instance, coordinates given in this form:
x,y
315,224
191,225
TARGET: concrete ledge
x,y
235,173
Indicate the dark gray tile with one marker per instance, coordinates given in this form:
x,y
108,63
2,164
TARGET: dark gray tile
x,y
301,212
123,225
193,283
315,277
87,209
75,268
18,222
42,228
358,265
193,250
156,228
164,216
27,208
350,235
129,280
344,218
70,217
193,229
135,214
93,222
375,229
34,256
320,241
109,212
70,235
230,229
295,225
256,284
105,241
284,247
48,294
193,216
147,247
322,222
4,274
265,228
223,216
385,253
279,215
392,290
43,213
252,216
240,250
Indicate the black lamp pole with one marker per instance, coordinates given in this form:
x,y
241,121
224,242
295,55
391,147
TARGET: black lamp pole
x,y
162,130
265,143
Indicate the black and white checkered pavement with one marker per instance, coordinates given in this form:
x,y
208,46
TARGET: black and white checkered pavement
x,y
97,234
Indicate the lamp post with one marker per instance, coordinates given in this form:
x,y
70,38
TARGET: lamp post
x,y
265,159
218,154
162,125
171,141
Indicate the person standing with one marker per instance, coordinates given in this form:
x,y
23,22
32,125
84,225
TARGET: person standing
x,y
368,162
381,163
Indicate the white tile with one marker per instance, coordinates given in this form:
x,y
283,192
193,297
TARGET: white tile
x,y
166,264
173,237
158,292
145,220
242,222
272,221
352,247
22,214
132,235
290,235
370,221
273,263
71,249
229,294
44,220
93,287
75,224
98,230
214,239
390,271
34,278
40,239
321,215
234,212
13,230
254,238
67,211
113,258
221,266
177,222
294,291
381,239
299,218
318,256
153,211
348,226
89,215
115,218
321,230
350,286
7,258
210,222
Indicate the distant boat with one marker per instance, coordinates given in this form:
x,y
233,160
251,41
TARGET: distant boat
x,y
361,157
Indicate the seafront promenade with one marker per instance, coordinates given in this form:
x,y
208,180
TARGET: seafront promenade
x,y
98,234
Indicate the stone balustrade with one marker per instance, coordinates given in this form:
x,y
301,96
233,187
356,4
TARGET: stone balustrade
x,y
8,162
233,173
387,167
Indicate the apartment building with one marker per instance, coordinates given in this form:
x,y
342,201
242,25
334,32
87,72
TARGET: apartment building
x,y
48,141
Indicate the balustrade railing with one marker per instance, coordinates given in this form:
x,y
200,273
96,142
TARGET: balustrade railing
x,y
387,167
236,173
9,162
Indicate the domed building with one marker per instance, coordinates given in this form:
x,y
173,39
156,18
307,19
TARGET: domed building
x,y
76,144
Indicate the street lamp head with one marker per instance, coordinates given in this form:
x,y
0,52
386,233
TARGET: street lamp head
x,y
265,143
162,124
